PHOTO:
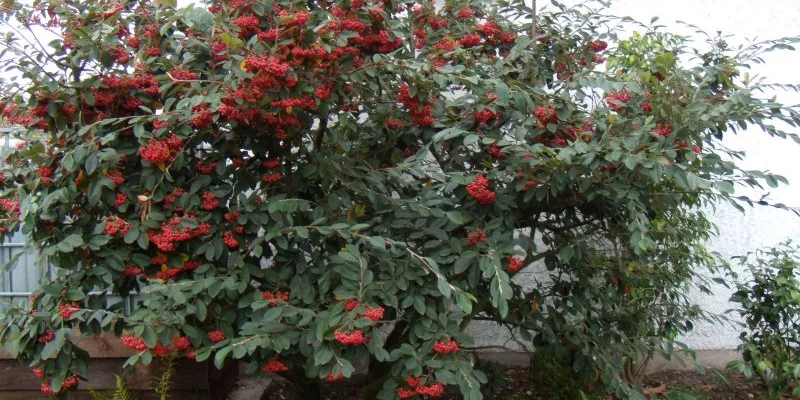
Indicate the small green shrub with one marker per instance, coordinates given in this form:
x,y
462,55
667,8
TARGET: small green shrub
x,y
162,384
769,302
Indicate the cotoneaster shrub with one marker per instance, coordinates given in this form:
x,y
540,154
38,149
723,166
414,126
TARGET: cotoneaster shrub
x,y
306,186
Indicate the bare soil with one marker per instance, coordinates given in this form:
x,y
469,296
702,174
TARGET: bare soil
x,y
712,385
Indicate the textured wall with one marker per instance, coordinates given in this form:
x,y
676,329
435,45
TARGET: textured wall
x,y
758,227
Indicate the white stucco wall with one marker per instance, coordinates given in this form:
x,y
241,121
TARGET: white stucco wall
x,y
760,226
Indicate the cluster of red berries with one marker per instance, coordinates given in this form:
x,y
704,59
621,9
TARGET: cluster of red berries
x,y
145,82
351,305
120,54
161,151
166,275
583,132
134,342
272,177
133,41
47,337
353,338
171,198
475,237
478,189
274,365
66,384
292,103
546,115
272,163
663,130
446,44
445,347
192,265
216,336
616,100
46,389
45,175
471,40
121,199
132,270
229,240
514,264
685,145
116,177
248,25
232,216
420,115
270,65
486,115
153,51
172,233
10,206
599,45
70,382
180,343
275,297
323,92
202,116
182,74
375,314
67,310
334,378
393,124
495,151
435,389
159,350
210,201
465,13
531,183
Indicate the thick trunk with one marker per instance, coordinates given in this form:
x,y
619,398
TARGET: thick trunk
x,y
308,390
374,380
379,371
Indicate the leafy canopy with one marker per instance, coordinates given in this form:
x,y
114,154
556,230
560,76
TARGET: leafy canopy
x,y
312,185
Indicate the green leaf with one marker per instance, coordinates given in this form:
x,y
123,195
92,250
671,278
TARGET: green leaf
x,y
444,287
91,164
69,243
221,355
377,241
455,217
322,355
54,346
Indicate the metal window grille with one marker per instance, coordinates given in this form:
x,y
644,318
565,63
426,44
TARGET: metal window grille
x,y
31,269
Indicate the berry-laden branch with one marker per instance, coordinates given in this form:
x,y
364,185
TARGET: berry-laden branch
x,y
450,156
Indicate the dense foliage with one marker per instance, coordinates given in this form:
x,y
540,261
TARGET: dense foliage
x,y
768,299
312,185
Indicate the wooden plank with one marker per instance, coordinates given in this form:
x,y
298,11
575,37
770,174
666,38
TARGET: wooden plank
x,y
105,345
85,395
189,375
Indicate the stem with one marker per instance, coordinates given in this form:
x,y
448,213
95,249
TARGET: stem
x,y
533,20
307,390
323,124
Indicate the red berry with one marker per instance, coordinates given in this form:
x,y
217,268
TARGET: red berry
x,y
274,365
445,347
478,189
216,336
353,338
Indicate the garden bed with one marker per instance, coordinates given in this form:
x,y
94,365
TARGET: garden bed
x,y
712,385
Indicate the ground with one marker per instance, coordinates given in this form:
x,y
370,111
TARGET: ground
x,y
712,385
